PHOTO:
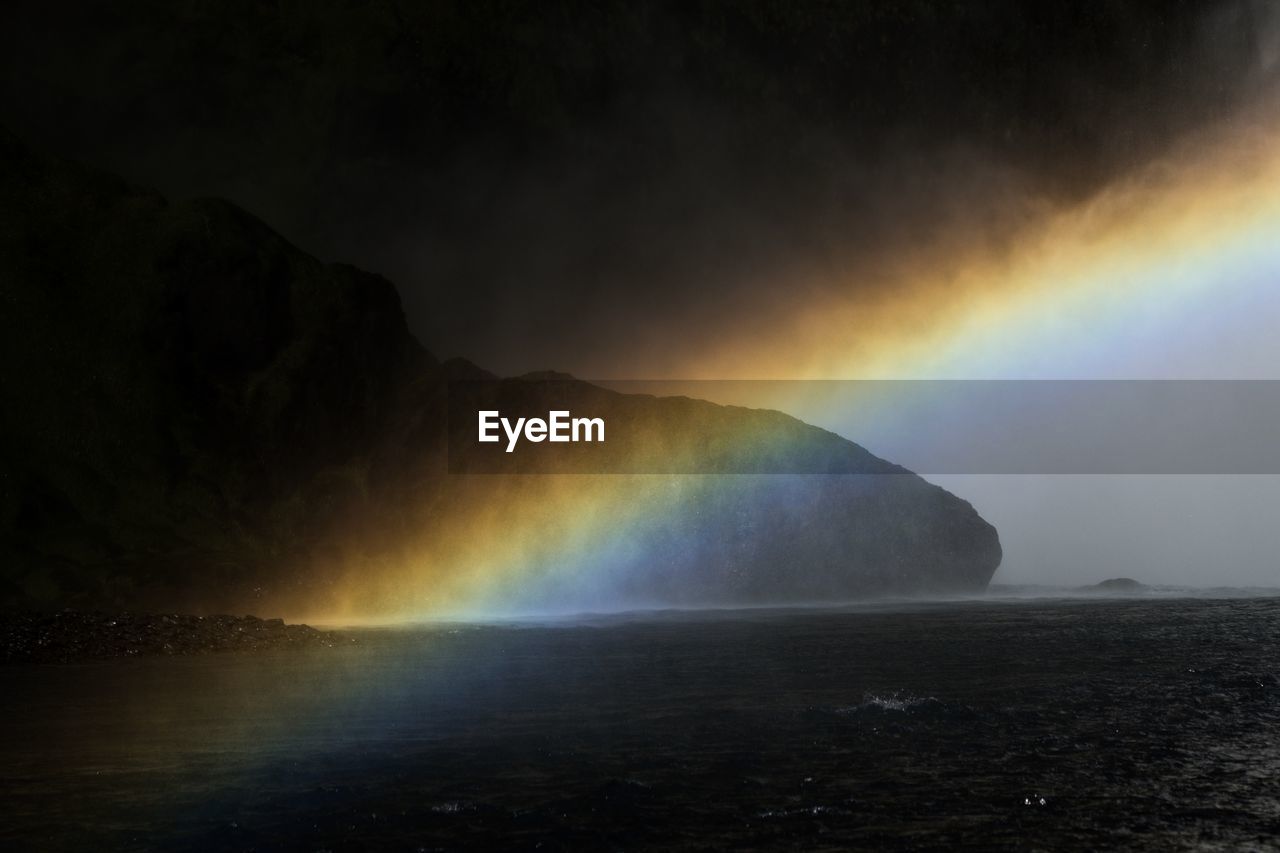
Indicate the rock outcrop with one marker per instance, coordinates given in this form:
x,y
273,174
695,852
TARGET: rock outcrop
x,y
197,415
1118,585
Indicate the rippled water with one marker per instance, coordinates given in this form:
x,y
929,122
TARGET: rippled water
x,y
968,725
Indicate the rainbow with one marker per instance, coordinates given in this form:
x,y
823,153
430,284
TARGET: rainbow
x,y
1108,288
1156,277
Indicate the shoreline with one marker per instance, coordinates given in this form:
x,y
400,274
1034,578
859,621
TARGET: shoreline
x,y
73,636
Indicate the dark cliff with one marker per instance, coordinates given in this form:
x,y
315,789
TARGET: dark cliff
x,y
196,413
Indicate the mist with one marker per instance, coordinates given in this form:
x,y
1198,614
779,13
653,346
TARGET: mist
x,y
603,191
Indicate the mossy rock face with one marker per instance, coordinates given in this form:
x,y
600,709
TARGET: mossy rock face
x,y
197,414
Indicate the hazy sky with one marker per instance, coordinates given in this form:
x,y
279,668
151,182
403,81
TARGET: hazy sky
x,y
627,189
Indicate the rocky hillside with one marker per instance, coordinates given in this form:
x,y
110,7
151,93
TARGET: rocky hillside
x,y
197,414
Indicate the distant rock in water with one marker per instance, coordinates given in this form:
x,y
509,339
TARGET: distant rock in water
x,y
197,416
1118,585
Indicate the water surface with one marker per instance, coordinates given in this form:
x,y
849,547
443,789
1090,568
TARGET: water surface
x,y
1139,723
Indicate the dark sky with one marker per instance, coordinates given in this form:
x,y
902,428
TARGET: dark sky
x,y
597,187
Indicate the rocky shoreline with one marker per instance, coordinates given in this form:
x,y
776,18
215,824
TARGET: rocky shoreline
x,y
68,636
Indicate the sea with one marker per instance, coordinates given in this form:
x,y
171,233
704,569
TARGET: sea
x,y
1023,720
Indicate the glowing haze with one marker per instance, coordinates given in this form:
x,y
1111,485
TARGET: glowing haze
x,y
1172,273
1121,285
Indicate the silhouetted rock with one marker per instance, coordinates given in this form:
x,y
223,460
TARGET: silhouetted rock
x,y
1118,585
198,416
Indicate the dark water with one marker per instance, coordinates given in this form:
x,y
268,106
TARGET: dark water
x,y
1137,724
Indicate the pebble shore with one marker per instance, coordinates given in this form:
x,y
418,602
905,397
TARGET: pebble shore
x,y
68,636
